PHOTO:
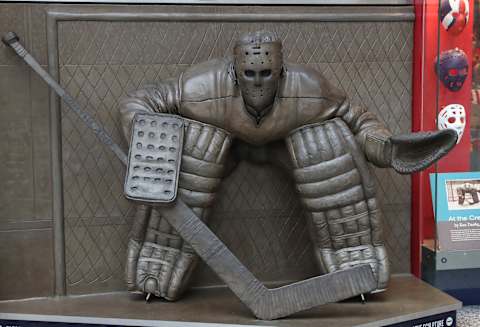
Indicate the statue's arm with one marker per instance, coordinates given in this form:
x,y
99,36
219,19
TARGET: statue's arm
x,y
161,98
371,134
406,153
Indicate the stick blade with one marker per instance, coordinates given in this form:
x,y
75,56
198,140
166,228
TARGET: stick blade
x,y
333,287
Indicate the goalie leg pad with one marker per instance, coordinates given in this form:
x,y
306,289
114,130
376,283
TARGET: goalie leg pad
x,y
336,188
165,262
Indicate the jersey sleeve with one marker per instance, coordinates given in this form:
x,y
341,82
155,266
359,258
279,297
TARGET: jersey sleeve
x,y
371,134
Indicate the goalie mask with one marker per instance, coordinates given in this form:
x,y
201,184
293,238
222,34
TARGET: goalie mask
x,y
454,15
452,68
258,67
453,117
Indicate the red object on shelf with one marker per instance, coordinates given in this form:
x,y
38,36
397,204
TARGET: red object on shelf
x,y
425,106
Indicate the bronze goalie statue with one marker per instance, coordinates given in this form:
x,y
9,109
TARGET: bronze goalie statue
x,y
259,99
180,134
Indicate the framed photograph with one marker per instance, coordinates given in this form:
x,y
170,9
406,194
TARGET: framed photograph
x,y
463,194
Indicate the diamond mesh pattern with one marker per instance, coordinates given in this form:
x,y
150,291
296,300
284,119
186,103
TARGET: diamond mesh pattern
x,y
260,218
257,214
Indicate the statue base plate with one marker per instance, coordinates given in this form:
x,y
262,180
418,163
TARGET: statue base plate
x,y
407,302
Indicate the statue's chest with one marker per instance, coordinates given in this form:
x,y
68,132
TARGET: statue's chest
x,y
274,126
256,135
231,115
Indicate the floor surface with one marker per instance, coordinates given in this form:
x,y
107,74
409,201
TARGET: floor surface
x,y
469,316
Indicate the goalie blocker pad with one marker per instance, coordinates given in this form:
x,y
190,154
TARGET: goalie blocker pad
x,y
154,158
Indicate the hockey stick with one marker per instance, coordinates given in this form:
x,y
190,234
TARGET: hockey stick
x,y
263,302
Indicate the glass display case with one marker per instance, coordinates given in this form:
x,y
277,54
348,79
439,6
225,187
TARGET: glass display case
x,y
446,210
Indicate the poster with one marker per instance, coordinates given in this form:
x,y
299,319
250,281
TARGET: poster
x,y
457,210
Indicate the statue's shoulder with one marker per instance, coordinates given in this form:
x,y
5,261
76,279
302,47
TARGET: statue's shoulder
x,y
301,81
208,80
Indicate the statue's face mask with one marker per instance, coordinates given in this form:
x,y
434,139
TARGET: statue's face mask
x,y
258,67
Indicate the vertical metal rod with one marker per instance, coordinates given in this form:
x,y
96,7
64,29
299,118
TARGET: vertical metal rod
x,y
57,173
362,297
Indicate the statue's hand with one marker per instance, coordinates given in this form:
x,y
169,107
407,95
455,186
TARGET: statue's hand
x,y
416,151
